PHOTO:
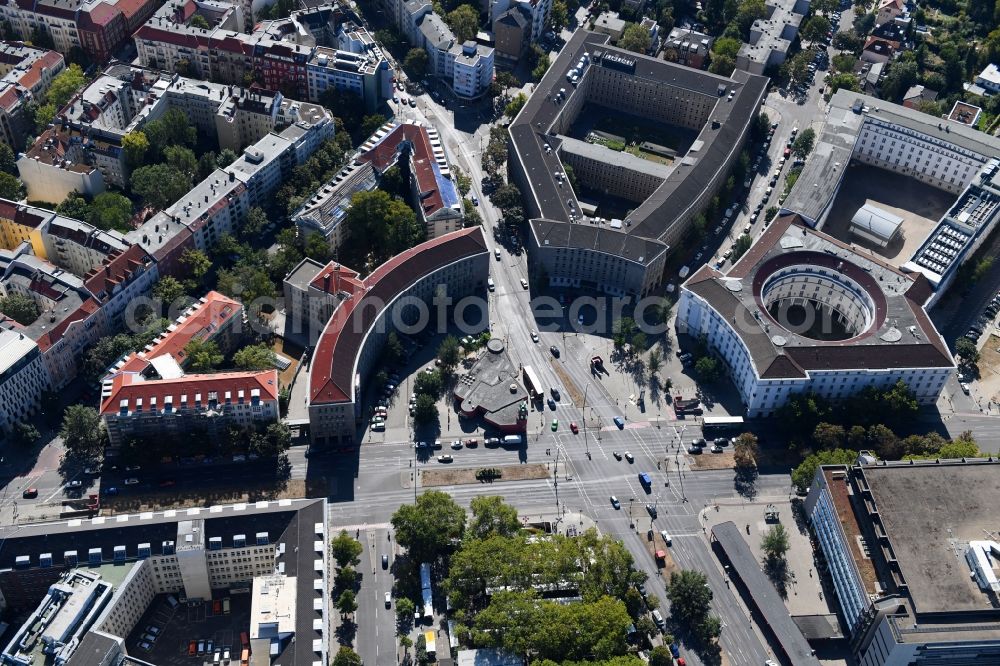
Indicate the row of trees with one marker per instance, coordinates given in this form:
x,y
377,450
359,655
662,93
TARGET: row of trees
x,y
831,440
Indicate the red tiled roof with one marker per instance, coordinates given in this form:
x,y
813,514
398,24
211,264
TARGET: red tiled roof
x,y
344,334
99,15
206,318
116,269
9,97
383,155
341,279
132,7
132,388
88,308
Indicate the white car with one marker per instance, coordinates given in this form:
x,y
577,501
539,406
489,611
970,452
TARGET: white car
x,y
534,336
76,483
388,599
524,283
132,481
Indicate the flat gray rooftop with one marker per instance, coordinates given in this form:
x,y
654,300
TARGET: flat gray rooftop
x,y
929,513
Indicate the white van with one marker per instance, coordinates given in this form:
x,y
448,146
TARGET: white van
x,y
491,285
666,537
658,619
683,272
512,439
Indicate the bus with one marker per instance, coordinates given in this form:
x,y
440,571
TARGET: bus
x,y
531,383
425,589
722,426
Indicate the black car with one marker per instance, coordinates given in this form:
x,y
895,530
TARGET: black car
x,y
554,350
651,509
385,561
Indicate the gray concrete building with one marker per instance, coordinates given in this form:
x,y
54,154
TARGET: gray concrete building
x,y
623,256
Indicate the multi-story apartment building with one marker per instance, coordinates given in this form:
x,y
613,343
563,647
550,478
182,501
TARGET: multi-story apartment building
x,y
26,74
99,27
361,313
132,406
301,56
118,282
433,193
91,581
214,318
687,47
780,317
466,68
82,151
537,12
512,35
772,36
22,378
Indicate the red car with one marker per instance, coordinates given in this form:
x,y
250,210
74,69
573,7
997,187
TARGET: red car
x,y
574,427
472,442
788,151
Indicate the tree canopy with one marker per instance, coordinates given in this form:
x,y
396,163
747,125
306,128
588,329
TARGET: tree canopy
x,y
65,85
464,22
689,595
10,187
381,227
345,549
20,308
492,516
255,357
430,527
635,38
82,430
202,355
159,185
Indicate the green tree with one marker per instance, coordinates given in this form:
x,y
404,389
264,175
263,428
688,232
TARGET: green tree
x,y
689,595
82,430
558,15
430,527
416,62
746,452
802,476
202,355
775,542
20,308
381,226
844,62
226,157
74,206
65,85
749,11
10,187
464,22
741,245
255,223
347,603
902,74
346,578
726,46
370,124
428,383
815,28
967,350
635,38
829,436
110,210
425,411
159,185
708,368
7,160
44,114
196,262
492,516
182,158
169,290
660,656
449,353
515,105
654,363
199,21
983,267
405,608
41,38
25,434
104,352
255,357
803,143
135,145
541,66
346,550
845,81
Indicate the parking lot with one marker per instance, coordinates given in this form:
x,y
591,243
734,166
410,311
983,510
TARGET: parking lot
x,y
196,622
